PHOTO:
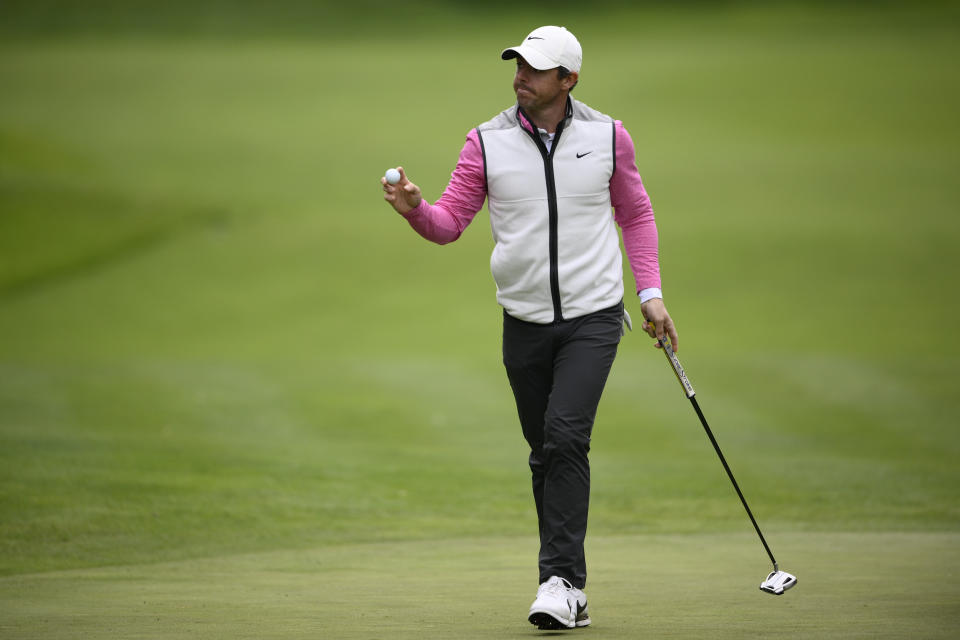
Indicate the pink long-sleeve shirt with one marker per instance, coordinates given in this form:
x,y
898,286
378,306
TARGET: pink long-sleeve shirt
x,y
464,196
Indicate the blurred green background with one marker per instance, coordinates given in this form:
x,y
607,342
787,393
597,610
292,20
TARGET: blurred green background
x,y
216,339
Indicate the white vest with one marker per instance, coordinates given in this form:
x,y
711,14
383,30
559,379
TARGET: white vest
x,y
557,251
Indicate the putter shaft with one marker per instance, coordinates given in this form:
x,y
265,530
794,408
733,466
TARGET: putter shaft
x,y
690,393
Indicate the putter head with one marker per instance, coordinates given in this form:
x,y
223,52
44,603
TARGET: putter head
x,y
778,582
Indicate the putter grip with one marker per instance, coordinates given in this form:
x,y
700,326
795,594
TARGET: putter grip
x,y
677,369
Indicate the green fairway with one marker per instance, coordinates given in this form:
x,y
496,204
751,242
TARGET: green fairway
x,y
852,586
240,397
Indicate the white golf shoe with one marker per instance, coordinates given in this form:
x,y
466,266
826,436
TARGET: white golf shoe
x,y
559,605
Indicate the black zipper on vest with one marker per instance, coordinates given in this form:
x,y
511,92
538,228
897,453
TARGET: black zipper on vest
x,y
552,207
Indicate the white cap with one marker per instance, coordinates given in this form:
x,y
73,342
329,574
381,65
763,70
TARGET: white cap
x,y
548,48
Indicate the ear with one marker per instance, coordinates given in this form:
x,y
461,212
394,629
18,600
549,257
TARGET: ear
x,y
568,82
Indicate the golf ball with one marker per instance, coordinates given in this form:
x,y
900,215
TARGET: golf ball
x,y
392,176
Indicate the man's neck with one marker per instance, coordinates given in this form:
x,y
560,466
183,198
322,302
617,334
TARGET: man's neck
x,y
549,117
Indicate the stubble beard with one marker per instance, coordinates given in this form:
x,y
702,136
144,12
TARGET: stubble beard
x,y
526,99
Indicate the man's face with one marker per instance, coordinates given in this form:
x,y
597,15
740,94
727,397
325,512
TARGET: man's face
x,y
537,89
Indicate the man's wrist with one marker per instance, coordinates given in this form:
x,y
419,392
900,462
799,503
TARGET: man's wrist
x,y
649,294
414,211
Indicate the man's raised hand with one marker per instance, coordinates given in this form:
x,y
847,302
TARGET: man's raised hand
x,y
402,196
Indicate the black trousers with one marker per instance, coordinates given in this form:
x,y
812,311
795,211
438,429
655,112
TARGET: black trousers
x,y
557,373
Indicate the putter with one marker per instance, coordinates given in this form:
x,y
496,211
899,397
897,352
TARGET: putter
x,y
778,581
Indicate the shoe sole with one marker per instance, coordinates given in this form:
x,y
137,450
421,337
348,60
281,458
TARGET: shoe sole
x,y
546,622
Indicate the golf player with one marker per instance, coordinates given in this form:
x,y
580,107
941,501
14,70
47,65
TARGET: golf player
x,y
557,176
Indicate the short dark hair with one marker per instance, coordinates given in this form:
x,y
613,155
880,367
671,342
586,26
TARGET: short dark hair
x,y
563,72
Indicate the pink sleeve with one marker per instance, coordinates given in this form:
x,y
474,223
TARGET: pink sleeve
x,y
444,221
634,214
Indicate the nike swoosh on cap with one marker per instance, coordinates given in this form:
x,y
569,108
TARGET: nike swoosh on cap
x,y
535,38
